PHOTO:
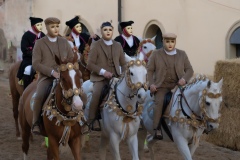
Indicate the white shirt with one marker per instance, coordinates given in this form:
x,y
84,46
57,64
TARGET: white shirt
x,y
52,39
76,39
38,34
108,43
129,40
171,53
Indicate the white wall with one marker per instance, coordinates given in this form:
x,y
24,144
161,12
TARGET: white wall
x,y
201,25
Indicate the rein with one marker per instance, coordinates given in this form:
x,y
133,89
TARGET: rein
x,y
184,113
195,120
52,110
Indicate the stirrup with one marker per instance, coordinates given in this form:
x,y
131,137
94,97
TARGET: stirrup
x,y
36,129
158,134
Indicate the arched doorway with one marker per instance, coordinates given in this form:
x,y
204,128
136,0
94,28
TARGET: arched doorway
x,y
154,28
233,41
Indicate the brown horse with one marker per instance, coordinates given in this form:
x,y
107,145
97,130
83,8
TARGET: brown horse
x,y
16,92
62,111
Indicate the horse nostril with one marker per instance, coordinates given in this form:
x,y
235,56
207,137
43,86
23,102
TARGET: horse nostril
x,y
211,126
139,96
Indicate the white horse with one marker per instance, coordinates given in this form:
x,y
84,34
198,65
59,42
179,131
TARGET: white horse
x,y
186,121
146,47
121,113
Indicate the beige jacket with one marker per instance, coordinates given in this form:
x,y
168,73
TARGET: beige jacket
x,y
43,59
157,65
98,59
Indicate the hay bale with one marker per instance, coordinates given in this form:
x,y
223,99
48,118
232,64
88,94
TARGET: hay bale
x,y
230,71
228,135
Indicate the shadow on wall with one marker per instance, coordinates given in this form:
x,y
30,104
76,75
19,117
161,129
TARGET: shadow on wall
x,y
3,45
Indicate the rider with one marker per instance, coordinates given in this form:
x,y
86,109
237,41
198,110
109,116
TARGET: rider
x,y
76,37
167,67
43,61
29,38
105,59
128,41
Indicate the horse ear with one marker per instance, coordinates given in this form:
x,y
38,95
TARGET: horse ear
x,y
127,58
57,60
153,38
220,83
209,84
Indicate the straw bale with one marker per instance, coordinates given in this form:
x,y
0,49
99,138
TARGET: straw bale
x,y
227,135
230,71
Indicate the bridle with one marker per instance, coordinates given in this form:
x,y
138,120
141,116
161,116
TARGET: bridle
x,y
205,116
68,94
196,120
129,82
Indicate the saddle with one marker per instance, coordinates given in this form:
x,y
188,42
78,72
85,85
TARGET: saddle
x,y
45,100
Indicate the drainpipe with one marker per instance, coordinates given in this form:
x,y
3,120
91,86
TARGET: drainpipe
x,y
119,15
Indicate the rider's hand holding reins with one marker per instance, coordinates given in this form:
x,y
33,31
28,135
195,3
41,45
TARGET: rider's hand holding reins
x,y
153,88
107,74
56,75
182,82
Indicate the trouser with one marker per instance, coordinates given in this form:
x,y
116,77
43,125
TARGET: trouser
x,y
42,88
94,104
158,99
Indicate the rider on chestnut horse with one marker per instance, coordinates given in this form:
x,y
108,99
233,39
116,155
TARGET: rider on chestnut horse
x,y
44,62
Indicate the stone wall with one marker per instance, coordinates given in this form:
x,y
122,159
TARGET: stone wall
x,y
15,17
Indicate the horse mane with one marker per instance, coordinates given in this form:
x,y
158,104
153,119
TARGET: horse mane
x,y
195,80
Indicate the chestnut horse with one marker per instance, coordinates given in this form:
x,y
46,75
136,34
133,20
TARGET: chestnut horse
x,y
16,92
62,112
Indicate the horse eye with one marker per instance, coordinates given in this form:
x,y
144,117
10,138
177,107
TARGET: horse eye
x,y
207,103
145,47
131,74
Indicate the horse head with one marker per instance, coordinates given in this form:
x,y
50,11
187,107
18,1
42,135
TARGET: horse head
x,y
70,84
136,76
146,47
210,104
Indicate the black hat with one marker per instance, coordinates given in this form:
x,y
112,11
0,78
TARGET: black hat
x,y
35,20
125,24
105,24
71,23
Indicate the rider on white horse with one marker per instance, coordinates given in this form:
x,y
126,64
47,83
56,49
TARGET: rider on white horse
x,y
105,59
167,67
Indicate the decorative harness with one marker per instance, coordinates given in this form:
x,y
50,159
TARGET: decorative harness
x,y
195,120
146,55
113,102
52,110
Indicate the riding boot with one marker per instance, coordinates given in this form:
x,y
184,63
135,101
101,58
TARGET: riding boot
x,y
158,134
36,123
95,125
